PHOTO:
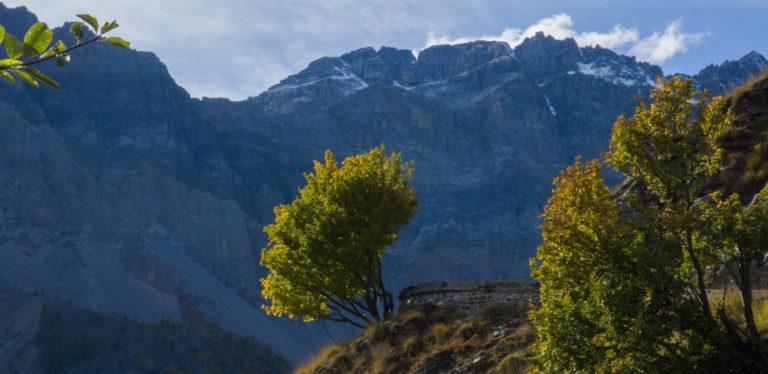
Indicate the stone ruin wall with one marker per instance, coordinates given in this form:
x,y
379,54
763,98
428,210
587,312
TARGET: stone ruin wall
x,y
468,297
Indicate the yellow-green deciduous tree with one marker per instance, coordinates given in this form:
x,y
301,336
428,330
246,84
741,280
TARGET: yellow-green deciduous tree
x,y
609,298
38,46
325,248
624,277
672,146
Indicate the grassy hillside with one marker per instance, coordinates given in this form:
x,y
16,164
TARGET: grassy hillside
x,y
746,143
434,341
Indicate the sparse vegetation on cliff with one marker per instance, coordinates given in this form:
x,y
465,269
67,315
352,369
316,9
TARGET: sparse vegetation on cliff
x,y
434,341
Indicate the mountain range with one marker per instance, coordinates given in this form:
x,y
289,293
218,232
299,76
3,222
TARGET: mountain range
x,y
122,194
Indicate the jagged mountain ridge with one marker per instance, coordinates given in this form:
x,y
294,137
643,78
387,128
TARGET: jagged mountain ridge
x,y
123,194
729,74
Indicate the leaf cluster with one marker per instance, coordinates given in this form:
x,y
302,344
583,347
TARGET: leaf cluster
x,y
38,46
671,144
733,230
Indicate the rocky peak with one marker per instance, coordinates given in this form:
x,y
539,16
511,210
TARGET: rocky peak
x,y
323,82
617,69
385,67
753,60
397,55
729,74
359,55
326,68
547,59
355,70
543,56
444,61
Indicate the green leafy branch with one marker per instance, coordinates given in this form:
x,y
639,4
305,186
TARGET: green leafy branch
x,y
37,47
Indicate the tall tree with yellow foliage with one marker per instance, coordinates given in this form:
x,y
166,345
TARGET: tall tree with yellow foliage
x,y
325,248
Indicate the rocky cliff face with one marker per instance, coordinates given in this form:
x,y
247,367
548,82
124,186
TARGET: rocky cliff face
x,y
123,194
116,195
489,127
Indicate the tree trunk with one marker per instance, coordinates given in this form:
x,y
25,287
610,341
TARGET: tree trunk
x,y
389,304
699,278
386,296
372,305
745,287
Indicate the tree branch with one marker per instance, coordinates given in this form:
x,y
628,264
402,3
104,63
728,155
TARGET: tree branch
x,y
66,51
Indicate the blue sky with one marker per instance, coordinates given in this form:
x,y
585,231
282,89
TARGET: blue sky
x,y
238,48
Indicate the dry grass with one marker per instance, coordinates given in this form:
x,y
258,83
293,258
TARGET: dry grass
x,y
746,86
467,330
525,334
760,309
415,338
515,363
732,302
410,315
412,344
372,329
440,333
381,359
325,356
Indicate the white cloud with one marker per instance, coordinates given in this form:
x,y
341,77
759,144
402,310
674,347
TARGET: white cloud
x,y
656,48
660,47
559,26
617,37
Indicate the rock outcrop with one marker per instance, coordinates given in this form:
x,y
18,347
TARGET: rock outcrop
x,y
468,297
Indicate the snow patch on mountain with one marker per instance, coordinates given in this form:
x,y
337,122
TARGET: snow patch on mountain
x,y
398,85
339,74
551,108
626,76
604,72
